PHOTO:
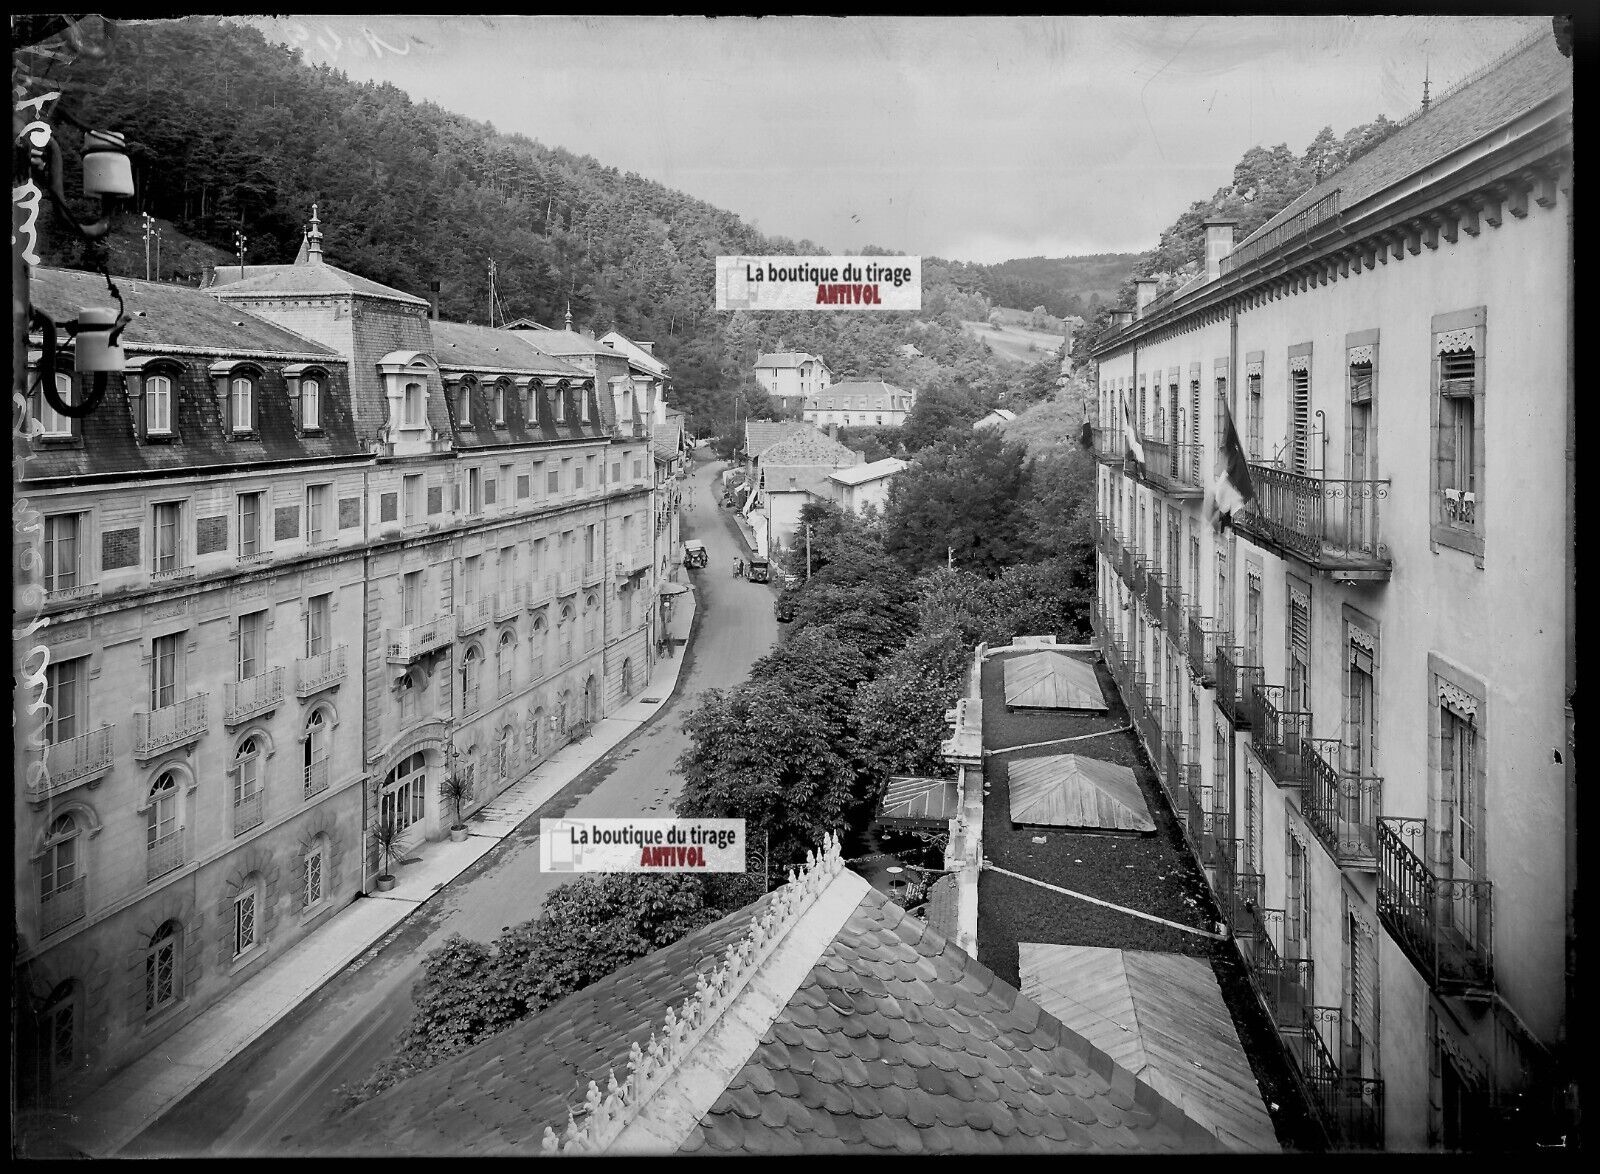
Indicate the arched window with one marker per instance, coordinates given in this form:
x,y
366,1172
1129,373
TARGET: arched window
x,y
591,612
161,976
311,404
411,410
241,404
469,680
60,876
561,403
503,656
464,406
58,1029
500,403
535,720
158,405
567,625
317,750
246,920
163,836
536,646
505,749
403,792
627,677
247,786
316,888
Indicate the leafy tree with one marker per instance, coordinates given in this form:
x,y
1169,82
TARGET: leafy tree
x,y
942,406
1058,502
900,713
962,494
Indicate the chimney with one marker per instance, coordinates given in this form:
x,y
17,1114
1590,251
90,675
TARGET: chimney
x,y
1219,244
1144,292
1120,318
433,300
314,240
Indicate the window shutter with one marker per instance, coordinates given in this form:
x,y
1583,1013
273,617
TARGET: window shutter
x,y
1300,420
1361,383
1458,374
1299,628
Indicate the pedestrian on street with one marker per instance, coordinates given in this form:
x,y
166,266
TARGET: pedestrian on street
x,y
738,568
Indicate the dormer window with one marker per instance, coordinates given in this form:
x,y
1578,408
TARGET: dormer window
x,y
464,406
158,405
311,405
500,405
241,404
53,424
411,411
561,405
583,401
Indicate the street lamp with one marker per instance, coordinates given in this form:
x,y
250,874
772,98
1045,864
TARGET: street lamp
x,y
239,242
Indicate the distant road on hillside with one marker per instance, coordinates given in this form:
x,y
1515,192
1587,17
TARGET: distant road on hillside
x,y
1016,343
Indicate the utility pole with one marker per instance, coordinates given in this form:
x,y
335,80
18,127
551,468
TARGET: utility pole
x,y
239,242
950,557
158,254
148,221
808,554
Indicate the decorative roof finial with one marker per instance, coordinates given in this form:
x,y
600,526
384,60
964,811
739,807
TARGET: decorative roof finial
x,y
1425,98
314,239
569,315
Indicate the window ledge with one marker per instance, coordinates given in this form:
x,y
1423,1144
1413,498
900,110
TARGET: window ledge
x,y
1457,538
160,437
312,432
249,958
250,434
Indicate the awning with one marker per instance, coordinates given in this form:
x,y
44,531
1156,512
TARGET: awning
x,y
919,803
673,589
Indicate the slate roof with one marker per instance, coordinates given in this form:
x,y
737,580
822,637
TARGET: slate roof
x,y
761,435
463,345
895,1041
859,474
567,342
164,316
306,279
808,447
941,912
1522,80
636,354
787,359
668,439
1162,1017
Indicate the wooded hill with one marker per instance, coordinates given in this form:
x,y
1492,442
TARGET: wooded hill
x,y
232,132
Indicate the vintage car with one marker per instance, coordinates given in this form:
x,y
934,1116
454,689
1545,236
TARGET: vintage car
x,y
694,553
759,570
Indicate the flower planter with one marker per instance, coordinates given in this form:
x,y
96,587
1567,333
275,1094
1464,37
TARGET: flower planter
x,y
458,834
385,883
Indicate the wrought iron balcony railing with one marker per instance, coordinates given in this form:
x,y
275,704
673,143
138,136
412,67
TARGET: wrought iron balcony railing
x,y
315,673
1148,719
1176,769
1443,922
1155,589
1331,523
246,813
1108,445
1234,682
538,591
1341,807
1284,984
404,645
255,695
1210,828
172,725
567,582
1173,615
163,855
1173,469
1203,644
474,616
316,780
1349,1106
1280,736
1126,561
507,602
61,908
1102,534
72,761
593,572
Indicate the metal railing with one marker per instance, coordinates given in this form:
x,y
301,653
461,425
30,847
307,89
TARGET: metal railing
x,y
1203,645
316,780
163,856
312,673
246,813
538,591
404,645
1176,769
1172,468
1148,718
1173,613
1296,226
1317,518
172,725
1234,682
474,616
1349,1105
593,572
1155,589
1108,445
72,760
508,603
1284,984
1279,736
1444,924
1341,807
253,695
61,908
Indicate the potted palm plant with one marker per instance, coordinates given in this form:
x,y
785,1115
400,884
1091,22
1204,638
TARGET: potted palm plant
x,y
456,791
388,839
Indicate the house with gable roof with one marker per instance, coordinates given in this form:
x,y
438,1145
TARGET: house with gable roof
x,y
790,377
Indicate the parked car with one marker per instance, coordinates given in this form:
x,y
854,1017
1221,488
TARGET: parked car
x,y
695,554
759,570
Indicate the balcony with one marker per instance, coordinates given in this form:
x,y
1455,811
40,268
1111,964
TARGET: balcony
x,y
1154,592
70,595
536,667
315,673
1341,807
1102,534
567,582
592,573
1204,640
1113,548
1280,736
1284,984
1126,562
474,616
316,780
508,603
62,907
1329,523
1175,771
1108,445
538,590
163,855
1172,469
246,814
404,645
172,725
1147,718
1442,923
1349,1106
631,562
1234,682
1172,614
255,695
72,761
1210,831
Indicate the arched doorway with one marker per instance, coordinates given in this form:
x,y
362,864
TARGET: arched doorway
x,y
404,792
627,677
591,701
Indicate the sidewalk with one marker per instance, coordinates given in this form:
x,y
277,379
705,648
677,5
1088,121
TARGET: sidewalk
x,y
118,1111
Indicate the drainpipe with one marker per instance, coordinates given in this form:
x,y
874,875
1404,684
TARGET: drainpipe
x,y
366,726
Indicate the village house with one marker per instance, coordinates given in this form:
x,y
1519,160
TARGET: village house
x,y
858,404
790,377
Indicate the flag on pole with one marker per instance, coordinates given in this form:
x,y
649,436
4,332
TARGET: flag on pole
x,y
1086,434
1135,449
1231,489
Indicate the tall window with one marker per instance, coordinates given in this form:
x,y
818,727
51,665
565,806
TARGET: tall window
x,y
1298,693
411,404
552,482
500,403
470,577
164,664
1458,762
583,406
411,598
244,919
66,691
247,786
59,875
1361,722
404,792
316,512
588,544
63,552
157,405
567,624
316,752
52,422
163,836
311,404
1224,598
503,656
1300,414
1457,422
1252,817
1253,618
252,636
536,643
464,403
241,403
318,616
577,475
1252,417
168,545
474,490
250,509
161,969
469,680
316,869
411,495
561,405
1297,905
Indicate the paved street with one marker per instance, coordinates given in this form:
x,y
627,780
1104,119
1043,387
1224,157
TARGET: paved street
x,y
283,1084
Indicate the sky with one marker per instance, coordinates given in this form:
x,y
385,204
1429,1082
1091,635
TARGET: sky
x,y
970,138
